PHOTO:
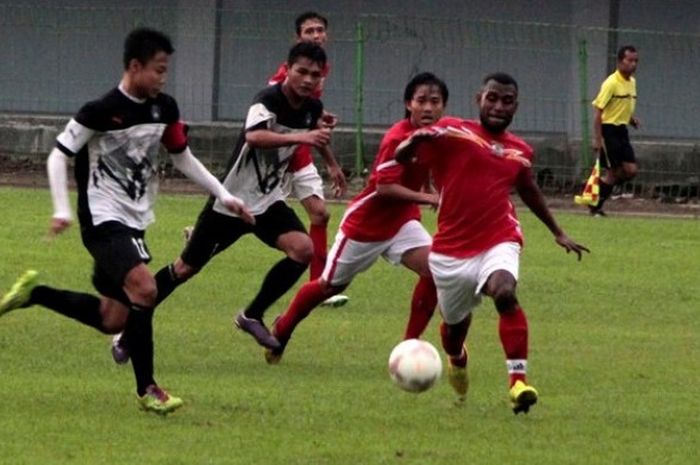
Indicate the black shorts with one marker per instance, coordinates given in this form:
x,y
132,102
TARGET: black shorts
x,y
616,146
116,249
215,232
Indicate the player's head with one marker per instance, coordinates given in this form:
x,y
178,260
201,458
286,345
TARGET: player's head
x,y
425,98
627,59
146,57
312,27
498,101
305,64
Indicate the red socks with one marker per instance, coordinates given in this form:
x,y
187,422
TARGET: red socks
x,y
422,308
309,296
319,238
512,328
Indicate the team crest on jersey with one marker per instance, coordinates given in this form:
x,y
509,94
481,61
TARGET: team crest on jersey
x,y
497,149
308,119
155,112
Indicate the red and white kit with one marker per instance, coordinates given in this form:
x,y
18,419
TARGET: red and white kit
x,y
478,230
376,226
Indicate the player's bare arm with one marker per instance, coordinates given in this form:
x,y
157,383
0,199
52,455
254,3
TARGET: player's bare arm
x,y
397,191
597,129
532,196
267,139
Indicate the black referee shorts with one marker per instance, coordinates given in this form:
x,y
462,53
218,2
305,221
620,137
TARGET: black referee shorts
x,y
616,146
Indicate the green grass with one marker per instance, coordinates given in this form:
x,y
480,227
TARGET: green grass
x,y
615,344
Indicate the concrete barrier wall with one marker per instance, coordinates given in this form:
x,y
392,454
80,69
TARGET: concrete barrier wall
x,y
558,163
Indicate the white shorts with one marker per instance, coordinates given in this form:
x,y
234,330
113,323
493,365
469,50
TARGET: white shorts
x,y
347,257
459,280
303,183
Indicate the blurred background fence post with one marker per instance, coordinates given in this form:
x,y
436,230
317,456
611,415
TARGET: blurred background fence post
x,y
359,101
585,158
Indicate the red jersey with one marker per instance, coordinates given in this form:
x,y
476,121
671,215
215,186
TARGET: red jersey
x,y
370,218
475,172
302,156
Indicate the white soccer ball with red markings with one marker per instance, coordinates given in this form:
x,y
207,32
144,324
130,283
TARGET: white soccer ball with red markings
x,y
415,365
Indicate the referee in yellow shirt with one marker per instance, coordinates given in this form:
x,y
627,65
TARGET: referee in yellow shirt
x,y
614,110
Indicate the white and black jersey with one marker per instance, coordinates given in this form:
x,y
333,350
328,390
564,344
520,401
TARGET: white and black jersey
x,y
254,174
115,141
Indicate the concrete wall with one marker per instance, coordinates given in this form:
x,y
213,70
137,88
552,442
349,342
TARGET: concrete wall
x,y
58,54
557,165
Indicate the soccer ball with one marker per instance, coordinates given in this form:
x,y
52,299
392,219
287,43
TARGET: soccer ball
x,y
414,365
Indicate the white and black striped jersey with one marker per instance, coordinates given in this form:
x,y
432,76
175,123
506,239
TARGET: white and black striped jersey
x,y
115,141
254,174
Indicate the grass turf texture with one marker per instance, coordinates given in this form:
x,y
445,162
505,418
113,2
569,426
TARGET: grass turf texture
x,y
614,351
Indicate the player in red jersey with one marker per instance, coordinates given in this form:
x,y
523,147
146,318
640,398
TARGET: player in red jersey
x,y
476,249
383,220
303,180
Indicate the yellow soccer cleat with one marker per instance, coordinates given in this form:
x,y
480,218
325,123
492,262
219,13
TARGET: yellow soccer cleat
x,y
522,397
459,379
274,356
458,376
18,296
157,400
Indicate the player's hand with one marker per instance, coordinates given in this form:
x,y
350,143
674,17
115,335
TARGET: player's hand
x,y
405,151
236,206
571,246
340,185
426,133
328,120
317,137
635,123
57,226
597,144
432,199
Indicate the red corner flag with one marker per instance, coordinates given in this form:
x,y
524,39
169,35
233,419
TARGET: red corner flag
x,y
591,190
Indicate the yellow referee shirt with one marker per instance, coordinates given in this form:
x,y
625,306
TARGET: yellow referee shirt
x,y
617,98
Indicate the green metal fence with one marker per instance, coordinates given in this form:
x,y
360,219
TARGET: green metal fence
x,y
225,55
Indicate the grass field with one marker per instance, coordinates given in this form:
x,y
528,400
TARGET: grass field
x,y
615,346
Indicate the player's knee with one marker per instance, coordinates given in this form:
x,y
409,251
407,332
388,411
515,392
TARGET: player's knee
x,y
629,172
424,271
114,315
320,218
504,299
301,252
145,293
317,211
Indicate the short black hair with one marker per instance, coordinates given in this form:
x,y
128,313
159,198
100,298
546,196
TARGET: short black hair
x,y
144,43
302,18
501,78
624,49
424,79
308,50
